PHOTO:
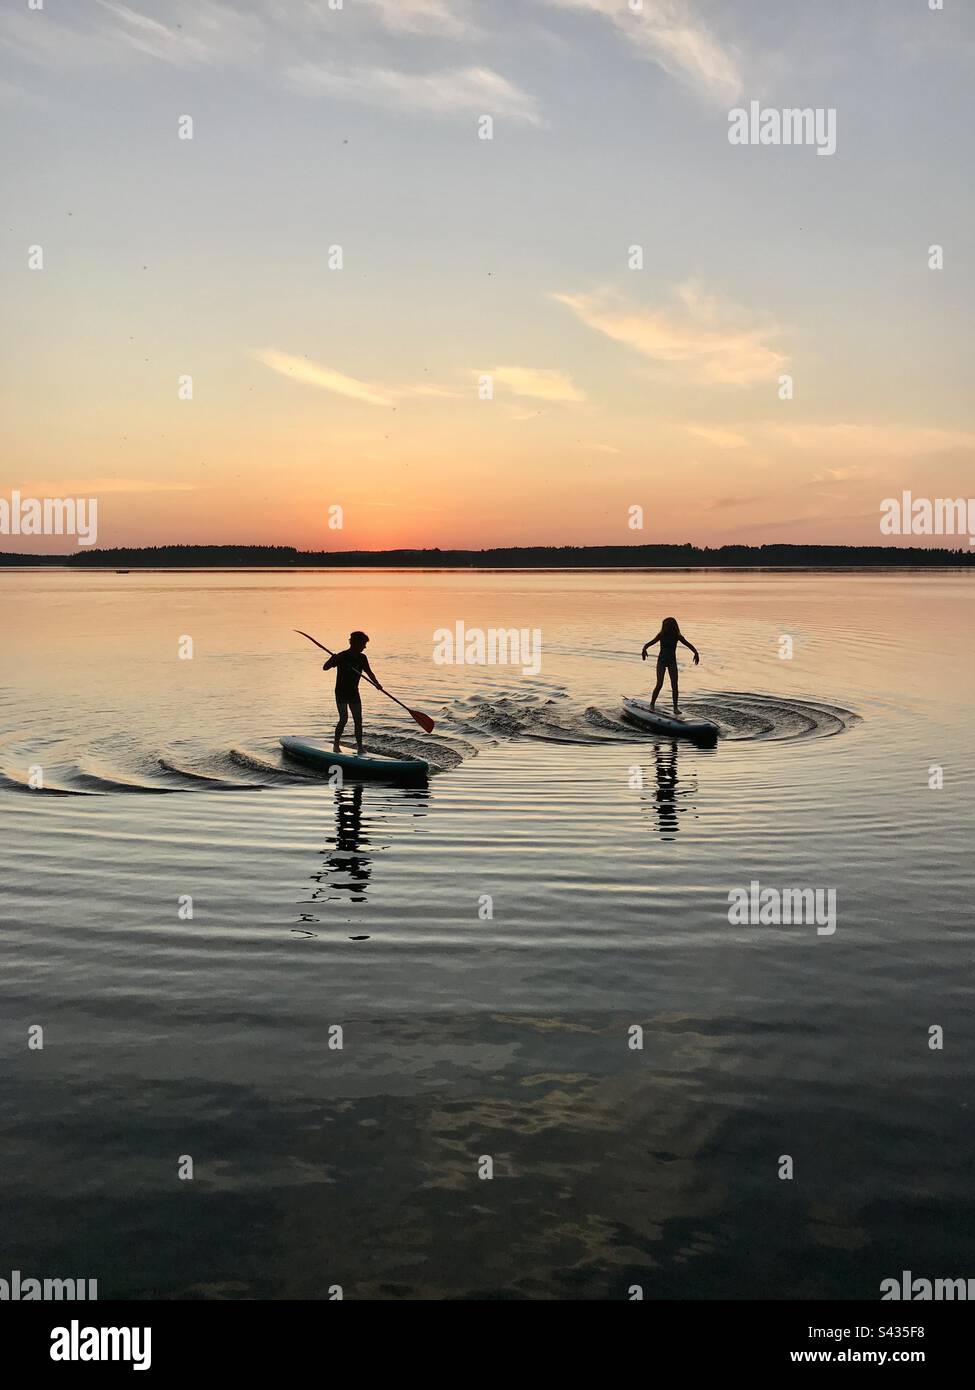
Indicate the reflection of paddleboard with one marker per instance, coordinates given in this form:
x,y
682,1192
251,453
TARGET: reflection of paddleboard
x,y
317,752
640,712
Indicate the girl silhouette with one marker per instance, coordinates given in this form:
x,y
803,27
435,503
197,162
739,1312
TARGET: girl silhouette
x,y
668,637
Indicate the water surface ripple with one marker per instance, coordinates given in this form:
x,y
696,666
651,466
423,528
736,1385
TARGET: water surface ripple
x,y
488,942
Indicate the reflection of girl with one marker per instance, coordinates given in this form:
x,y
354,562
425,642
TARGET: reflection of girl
x,y
668,637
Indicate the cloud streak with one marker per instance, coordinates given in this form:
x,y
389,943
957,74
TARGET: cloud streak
x,y
309,373
205,32
474,90
720,439
701,339
150,36
671,34
895,439
439,17
538,383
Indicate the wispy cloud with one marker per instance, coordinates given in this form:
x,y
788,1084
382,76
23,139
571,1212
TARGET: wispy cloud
x,y
475,90
218,32
311,373
852,474
445,18
747,527
203,31
325,378
539,383
726,503
704,340
150,36
893,439
423,388
845,454
106,34
721,439
674,35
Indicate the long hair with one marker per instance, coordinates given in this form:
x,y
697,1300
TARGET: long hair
x,y
669,627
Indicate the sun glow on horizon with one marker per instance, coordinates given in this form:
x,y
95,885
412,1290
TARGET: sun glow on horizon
x,y
470,303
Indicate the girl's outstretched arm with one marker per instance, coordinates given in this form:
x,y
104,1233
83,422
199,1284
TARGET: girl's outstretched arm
x,y
691,647
648,645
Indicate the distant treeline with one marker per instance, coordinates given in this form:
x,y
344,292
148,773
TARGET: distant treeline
x,y
507,557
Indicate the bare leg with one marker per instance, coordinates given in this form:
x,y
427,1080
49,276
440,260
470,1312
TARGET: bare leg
x,y
343,709
356,707
661,672
673,686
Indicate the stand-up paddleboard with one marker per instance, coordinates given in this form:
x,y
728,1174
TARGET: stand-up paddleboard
x,y
319,754
701,730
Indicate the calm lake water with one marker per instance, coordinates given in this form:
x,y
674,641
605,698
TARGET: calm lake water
x,y
608,856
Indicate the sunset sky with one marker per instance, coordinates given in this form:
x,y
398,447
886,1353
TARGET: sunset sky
x,y
357,127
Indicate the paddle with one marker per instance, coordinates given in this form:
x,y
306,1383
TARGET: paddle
x,y
424,720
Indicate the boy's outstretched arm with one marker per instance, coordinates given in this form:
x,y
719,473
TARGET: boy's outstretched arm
x,y
369,673
648,645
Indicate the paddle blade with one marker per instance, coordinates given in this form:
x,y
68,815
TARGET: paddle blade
x,y
424,720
